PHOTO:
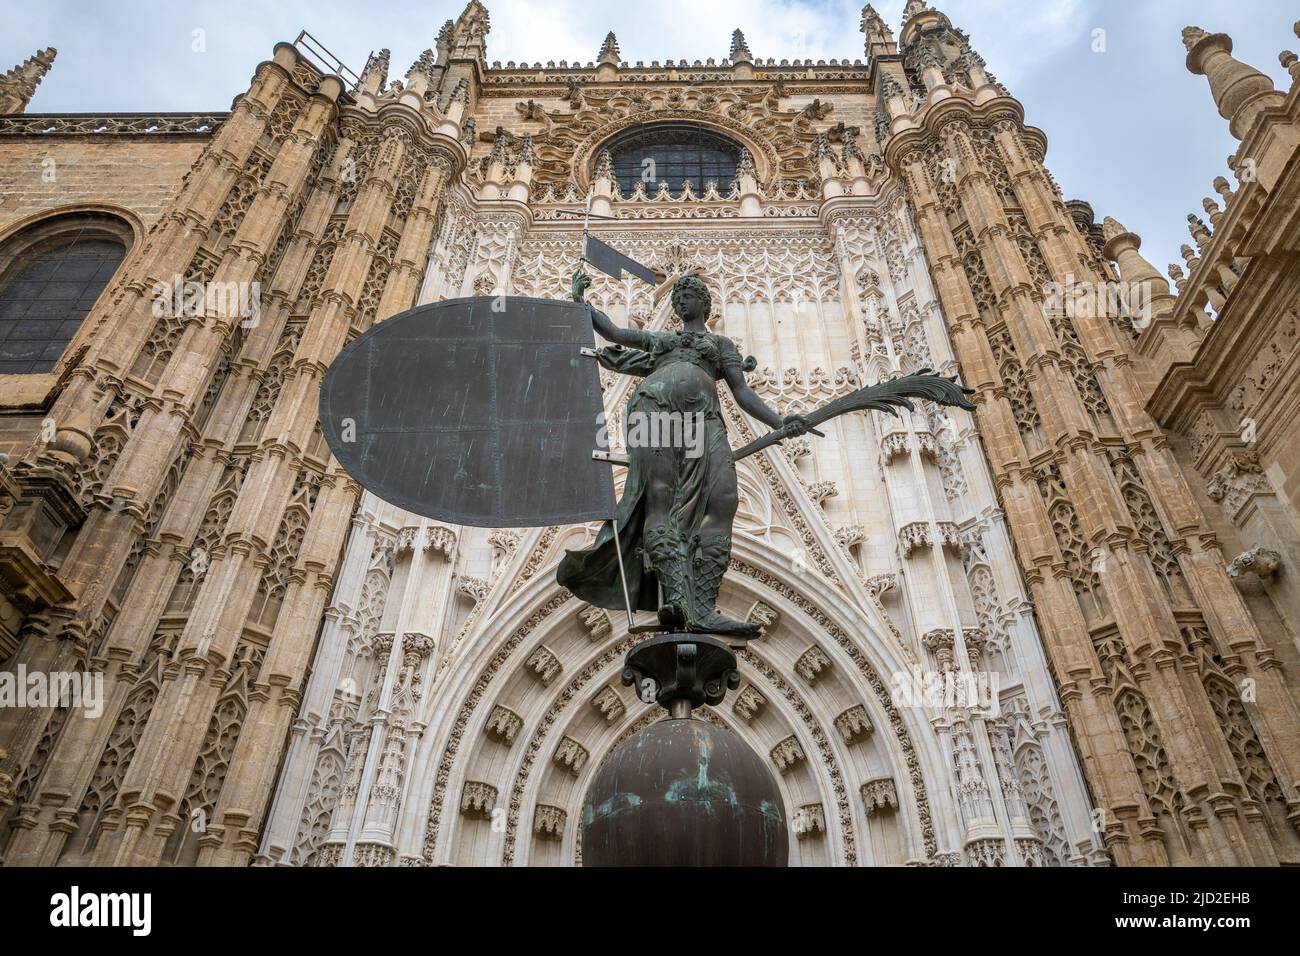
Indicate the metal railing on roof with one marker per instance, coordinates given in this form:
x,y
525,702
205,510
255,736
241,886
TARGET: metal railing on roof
x,y
322,58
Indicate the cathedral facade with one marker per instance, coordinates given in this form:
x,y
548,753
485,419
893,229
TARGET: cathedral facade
x,y
1057,631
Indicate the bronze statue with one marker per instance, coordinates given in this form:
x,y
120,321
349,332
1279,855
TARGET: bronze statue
x,y
674,519
676,511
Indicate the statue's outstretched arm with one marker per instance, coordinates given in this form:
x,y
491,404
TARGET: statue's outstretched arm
x,y
753,404
632,338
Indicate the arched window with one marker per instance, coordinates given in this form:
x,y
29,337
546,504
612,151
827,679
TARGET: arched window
x,y
674,153
50,276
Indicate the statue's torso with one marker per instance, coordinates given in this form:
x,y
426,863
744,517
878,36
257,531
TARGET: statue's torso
x,y
687,366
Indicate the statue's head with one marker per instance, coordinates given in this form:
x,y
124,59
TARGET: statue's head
x,y
691,298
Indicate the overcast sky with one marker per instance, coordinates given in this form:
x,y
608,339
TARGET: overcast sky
x,y
1129,129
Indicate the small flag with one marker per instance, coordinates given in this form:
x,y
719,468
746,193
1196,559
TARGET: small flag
x,y
612,262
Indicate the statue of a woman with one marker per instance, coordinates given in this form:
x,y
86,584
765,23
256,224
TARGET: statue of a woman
x,y
675,516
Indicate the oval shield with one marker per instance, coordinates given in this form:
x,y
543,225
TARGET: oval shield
x,y
479,411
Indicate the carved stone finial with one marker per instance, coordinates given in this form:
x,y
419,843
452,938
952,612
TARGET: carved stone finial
x,y
1112,227
1193,36
745,165
849,141
1241,92
423,66
740,49
1200,232
968,53
443,43
822,148
527,154
500,140
609,50
605,165
879,39
374,78
18,85
1291,62
888,86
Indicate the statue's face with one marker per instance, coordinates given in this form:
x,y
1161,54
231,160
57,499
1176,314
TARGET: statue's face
x,y
690,305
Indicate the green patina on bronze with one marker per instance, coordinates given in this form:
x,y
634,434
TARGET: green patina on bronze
x,y
675,517
683,792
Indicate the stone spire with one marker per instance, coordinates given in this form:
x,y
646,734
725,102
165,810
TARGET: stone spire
x,y
468,40
1240,91
880,39
423,73
465,46
745,164
19,84
375,75
742,61
605,165
740,49
443,43
609,50
608,60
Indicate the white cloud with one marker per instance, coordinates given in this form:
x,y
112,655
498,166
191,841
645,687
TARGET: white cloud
x,y
1131,130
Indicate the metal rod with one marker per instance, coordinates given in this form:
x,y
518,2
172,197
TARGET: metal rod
x,y
622,576
613,522
588,213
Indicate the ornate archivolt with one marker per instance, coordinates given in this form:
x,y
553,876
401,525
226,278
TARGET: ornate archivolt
x,y
571,721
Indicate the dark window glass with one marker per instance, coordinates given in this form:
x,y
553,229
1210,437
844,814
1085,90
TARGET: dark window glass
x,y
47,295
675,154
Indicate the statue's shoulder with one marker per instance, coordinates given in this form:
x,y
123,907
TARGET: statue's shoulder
x,y
730,354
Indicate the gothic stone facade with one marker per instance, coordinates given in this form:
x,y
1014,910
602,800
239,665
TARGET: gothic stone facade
x,y
297,673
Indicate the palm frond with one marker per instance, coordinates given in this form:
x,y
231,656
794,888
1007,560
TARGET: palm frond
x,y
882,397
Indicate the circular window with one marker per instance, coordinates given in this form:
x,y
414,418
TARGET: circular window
x,y
675,153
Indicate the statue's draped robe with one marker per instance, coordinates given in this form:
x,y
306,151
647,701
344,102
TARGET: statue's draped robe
x,y
671,363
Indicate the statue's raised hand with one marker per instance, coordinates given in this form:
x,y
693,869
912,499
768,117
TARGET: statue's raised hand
x,y
581,282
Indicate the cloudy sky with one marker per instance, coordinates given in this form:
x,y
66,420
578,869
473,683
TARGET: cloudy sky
x,y
1129,129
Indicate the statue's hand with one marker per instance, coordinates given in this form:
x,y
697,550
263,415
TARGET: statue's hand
x,y
796,425
581,282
